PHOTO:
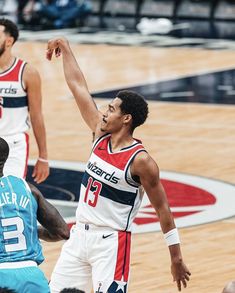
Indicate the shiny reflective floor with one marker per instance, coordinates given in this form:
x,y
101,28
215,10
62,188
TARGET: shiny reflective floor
x,y
214,87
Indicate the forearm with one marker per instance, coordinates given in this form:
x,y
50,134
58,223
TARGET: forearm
x,y
44,234
78,86
72,71
175,253
76,81
166,219
40,134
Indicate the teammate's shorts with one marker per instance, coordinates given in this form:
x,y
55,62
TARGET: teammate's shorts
x,y
29,279
97,256
17,161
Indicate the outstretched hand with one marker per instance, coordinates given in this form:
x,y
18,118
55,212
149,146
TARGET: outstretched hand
x,y
54,47
180,274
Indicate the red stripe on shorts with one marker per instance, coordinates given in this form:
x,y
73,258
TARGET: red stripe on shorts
x,y
127,257
27,155
123,256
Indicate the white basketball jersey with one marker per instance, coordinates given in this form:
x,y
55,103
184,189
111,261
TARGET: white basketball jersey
x,y
109,196
13,100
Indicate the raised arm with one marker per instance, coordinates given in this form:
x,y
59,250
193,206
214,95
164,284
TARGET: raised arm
x,y
148,172
53,226
76,81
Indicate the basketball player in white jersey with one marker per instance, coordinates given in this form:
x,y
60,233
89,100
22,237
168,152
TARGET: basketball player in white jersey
x,y
20,97
119,167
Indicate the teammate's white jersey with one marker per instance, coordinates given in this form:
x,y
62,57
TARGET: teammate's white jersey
x,y
14,117
109,196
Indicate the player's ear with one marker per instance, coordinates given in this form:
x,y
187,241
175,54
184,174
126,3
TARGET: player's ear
x,y
127,118
9,41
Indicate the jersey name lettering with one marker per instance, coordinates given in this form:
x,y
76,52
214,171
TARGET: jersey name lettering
x,y
102,173
12,198
9,90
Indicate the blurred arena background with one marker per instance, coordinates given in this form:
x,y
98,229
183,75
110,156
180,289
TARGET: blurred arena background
x,y
180,56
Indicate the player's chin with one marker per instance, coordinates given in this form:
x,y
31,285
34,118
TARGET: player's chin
x,y
103,129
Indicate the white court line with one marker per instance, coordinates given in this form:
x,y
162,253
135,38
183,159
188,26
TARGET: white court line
x,y
167,95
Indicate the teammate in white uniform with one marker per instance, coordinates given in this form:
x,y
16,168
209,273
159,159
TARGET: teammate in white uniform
x,y
98,250
20,95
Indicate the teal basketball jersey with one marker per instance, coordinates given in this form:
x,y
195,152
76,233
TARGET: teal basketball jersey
x,y
18,222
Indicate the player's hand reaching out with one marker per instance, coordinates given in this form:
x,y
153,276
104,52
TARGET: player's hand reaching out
x,y
180,274
54,46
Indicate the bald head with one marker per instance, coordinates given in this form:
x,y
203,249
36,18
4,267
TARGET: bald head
x,y
4,152
229,288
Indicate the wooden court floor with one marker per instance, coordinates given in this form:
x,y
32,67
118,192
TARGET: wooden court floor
x,y
196,139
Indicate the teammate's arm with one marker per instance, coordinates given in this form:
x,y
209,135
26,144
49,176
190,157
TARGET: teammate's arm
x,y
76,82
53,226
32,83
147,170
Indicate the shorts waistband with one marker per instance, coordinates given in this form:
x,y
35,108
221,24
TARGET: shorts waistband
x,y
16,136
18,264
92,227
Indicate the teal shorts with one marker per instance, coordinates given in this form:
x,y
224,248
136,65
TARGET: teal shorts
x,y
24,280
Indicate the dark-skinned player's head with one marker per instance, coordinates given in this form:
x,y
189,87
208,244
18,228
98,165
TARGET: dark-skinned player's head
x,y
4,152
135,105
71,290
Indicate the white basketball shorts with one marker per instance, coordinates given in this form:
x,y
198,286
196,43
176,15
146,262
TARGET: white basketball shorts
x,y
93,256
17,161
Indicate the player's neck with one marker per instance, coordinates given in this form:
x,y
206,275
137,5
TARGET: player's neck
x,y
6,61
120,141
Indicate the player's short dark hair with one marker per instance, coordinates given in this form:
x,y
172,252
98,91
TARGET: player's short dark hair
x,y
6,290
71,290
134,104
4,150
10,28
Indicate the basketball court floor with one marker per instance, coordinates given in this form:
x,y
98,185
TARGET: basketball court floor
x,y
190,132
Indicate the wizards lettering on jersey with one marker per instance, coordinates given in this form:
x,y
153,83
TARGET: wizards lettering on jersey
x,y
12,198
109,177
8,90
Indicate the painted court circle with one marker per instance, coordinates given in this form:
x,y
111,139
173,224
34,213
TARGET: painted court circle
x,y
193,199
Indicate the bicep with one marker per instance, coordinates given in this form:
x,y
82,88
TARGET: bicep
x,y
46,212
32,83
148,173
154,189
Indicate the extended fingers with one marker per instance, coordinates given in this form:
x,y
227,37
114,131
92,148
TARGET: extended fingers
x,y
183,280
52,45
49,53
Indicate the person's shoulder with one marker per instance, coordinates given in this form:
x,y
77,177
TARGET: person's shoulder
x,y
143,163
30,69
31,75
142,157
35,191
14,178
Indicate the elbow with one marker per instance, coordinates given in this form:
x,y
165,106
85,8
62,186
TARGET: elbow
x,y
61,234
64,233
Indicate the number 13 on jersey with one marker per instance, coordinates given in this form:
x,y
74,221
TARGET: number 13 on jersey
x,y
93,187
